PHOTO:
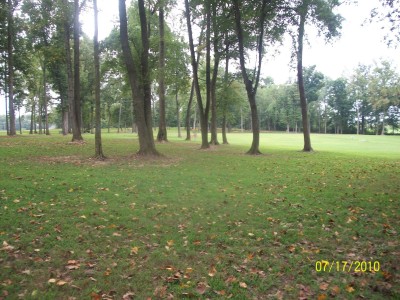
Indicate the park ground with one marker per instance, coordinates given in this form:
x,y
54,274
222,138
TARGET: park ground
x,y
200,224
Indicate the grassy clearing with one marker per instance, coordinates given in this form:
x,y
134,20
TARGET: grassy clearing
x,y
199,224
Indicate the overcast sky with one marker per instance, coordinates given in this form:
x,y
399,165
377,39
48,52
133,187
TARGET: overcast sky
x,y
361,42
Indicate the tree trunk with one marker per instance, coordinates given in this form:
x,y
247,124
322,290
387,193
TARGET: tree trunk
x,y
45,104
97,139
202,112
300,80
76,103
10,33
141,93
224,138
32,116
178,113
383,124
188,111
213,87
251,91
162,128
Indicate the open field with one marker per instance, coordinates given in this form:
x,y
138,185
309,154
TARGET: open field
x,y
199,224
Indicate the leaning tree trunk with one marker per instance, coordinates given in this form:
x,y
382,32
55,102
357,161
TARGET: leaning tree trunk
x,y
202,112
162,129
97,139
12,129
188,111
300,80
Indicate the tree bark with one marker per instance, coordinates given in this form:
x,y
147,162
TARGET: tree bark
x,y
213,87
141,93
97,139
202,112
300,80
162,129
251,91
76,107
188,110
10,44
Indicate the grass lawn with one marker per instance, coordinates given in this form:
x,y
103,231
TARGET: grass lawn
x,y
196,224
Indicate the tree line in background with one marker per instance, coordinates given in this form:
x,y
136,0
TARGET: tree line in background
x,y
144,75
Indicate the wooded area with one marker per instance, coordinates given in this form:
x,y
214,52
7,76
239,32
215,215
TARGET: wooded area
x,y
147,75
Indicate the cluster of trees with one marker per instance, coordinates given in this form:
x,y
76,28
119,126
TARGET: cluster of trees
x,y
144,75
367,102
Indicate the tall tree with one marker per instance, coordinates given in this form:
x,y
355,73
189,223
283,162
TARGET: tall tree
x,y
98,143
10,52
320,13
251,88
203,111
141,92
162,129
76,103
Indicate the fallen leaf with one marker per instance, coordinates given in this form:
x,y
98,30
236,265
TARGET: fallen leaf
x,y
134,250
128,296
243,285
324,286
335,290
212,271
160,291
52,280
321,297
350,289
61,283
201,288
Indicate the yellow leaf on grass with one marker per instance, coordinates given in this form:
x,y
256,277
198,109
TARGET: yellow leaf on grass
x,y
321,297
212,271
134,250
350,289
243,285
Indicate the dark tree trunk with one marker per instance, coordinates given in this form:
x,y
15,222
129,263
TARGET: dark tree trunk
x,y
45,104
188,112
300,80
202,112
76,107
189,107
162,129
213,87
224,111
97,139
178,113
141,93
251,91
32,116
10,33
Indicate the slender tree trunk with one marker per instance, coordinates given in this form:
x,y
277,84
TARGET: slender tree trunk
x,y
300,80
6,97
251,91
213,87
19,120
162,129
76,103
224,138
32,116
383,124
189,107
119,117
10,42
178,113
65,116
141,93
188,113
97,139
45,104
203,112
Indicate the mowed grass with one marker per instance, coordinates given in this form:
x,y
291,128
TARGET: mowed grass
x,y
212,224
